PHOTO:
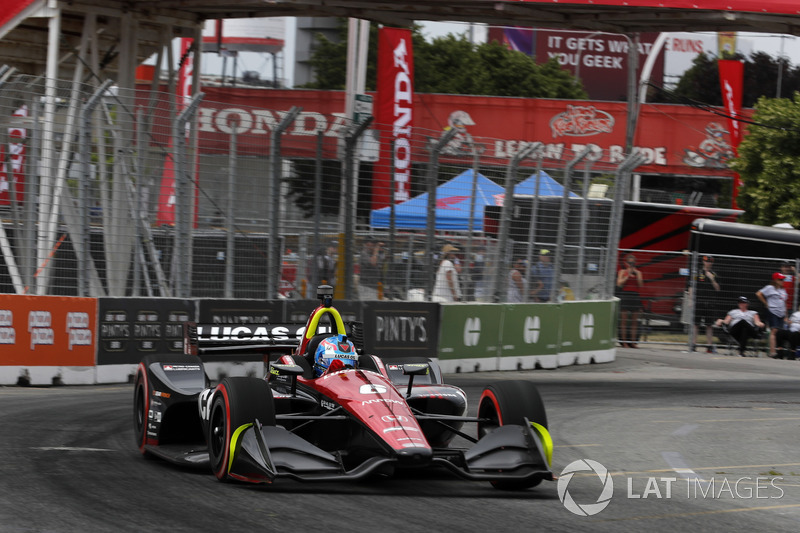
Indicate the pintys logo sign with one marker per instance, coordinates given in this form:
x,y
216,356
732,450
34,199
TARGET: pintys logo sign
x,y
585,509
587,326
530,332
472,331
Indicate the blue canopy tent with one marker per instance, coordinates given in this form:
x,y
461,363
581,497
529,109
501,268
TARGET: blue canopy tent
x,y
453,205
547,186
453,202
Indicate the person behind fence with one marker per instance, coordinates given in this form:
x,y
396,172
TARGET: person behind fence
x,y
742,324
773,296
517,281
326,264
544,275
370,264
446,288
789,278
790,337
629,284
707,288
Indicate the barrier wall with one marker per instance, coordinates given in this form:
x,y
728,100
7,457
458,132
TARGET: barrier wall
x,y
48,340
484,337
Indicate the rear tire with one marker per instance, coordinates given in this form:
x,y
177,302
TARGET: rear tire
x,y
506,403
141,405
237,401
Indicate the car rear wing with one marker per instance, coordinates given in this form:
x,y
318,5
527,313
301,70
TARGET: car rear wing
x,y
222,339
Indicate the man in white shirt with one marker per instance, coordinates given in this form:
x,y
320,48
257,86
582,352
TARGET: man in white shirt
x,y
743,324
446,287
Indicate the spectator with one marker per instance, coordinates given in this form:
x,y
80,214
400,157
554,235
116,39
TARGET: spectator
x,y
544,274
707,286
370,268
326,264
629,284
742,324
788,271
446,288
790,336
478,283
517,281
773,296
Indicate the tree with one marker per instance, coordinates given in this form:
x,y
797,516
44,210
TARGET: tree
x,y
452,65
769,163
701,82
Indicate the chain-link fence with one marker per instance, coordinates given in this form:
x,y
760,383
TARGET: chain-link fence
x,y
110,193
684,293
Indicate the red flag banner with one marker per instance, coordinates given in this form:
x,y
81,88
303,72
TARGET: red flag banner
x,y
394,112
731,80
166,198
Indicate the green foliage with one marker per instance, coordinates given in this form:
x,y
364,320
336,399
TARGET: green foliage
x,y
701,82
452,65
769,163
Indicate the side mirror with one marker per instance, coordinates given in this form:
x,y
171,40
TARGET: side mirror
x,y
281,369
291,370
414,369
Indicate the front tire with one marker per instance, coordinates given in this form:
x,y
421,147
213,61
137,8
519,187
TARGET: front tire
x,y
509,403
237,401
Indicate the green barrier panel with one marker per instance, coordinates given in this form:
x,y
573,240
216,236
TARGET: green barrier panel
x,y
530,329
587,326
469,331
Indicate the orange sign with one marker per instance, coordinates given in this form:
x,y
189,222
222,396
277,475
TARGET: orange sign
x,y
47,330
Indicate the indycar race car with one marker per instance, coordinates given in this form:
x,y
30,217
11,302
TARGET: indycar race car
x,y
367,416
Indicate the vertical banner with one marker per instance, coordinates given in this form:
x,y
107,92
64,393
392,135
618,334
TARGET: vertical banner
x,y
166,197
731,79
394,116
12,168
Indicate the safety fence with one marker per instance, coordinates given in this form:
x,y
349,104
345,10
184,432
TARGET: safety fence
x,y
108,193
679,300
50,340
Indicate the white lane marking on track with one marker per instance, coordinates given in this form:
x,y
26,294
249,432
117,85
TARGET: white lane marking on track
x,y
684,430
676,462
70,449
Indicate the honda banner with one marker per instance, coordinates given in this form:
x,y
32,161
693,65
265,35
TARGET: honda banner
x,y
731,79
394,116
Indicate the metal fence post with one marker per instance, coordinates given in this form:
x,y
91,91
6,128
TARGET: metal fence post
x,y
184,206
348,168
230,238
311,291
501,272
620,186
83,190
430,230
274,255
582,237
564,221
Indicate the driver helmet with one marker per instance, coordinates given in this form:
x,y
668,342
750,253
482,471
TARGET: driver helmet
x,y
335,348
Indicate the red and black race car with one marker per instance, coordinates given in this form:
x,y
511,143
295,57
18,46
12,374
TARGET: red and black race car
x,y
347,423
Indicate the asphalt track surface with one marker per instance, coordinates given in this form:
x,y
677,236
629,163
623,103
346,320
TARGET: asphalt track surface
x,y
721,433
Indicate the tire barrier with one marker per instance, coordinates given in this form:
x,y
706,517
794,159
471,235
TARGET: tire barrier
x,y
51,340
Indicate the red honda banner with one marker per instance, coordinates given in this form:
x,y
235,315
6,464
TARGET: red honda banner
x,y
731,80
12,166
166,198
394,112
